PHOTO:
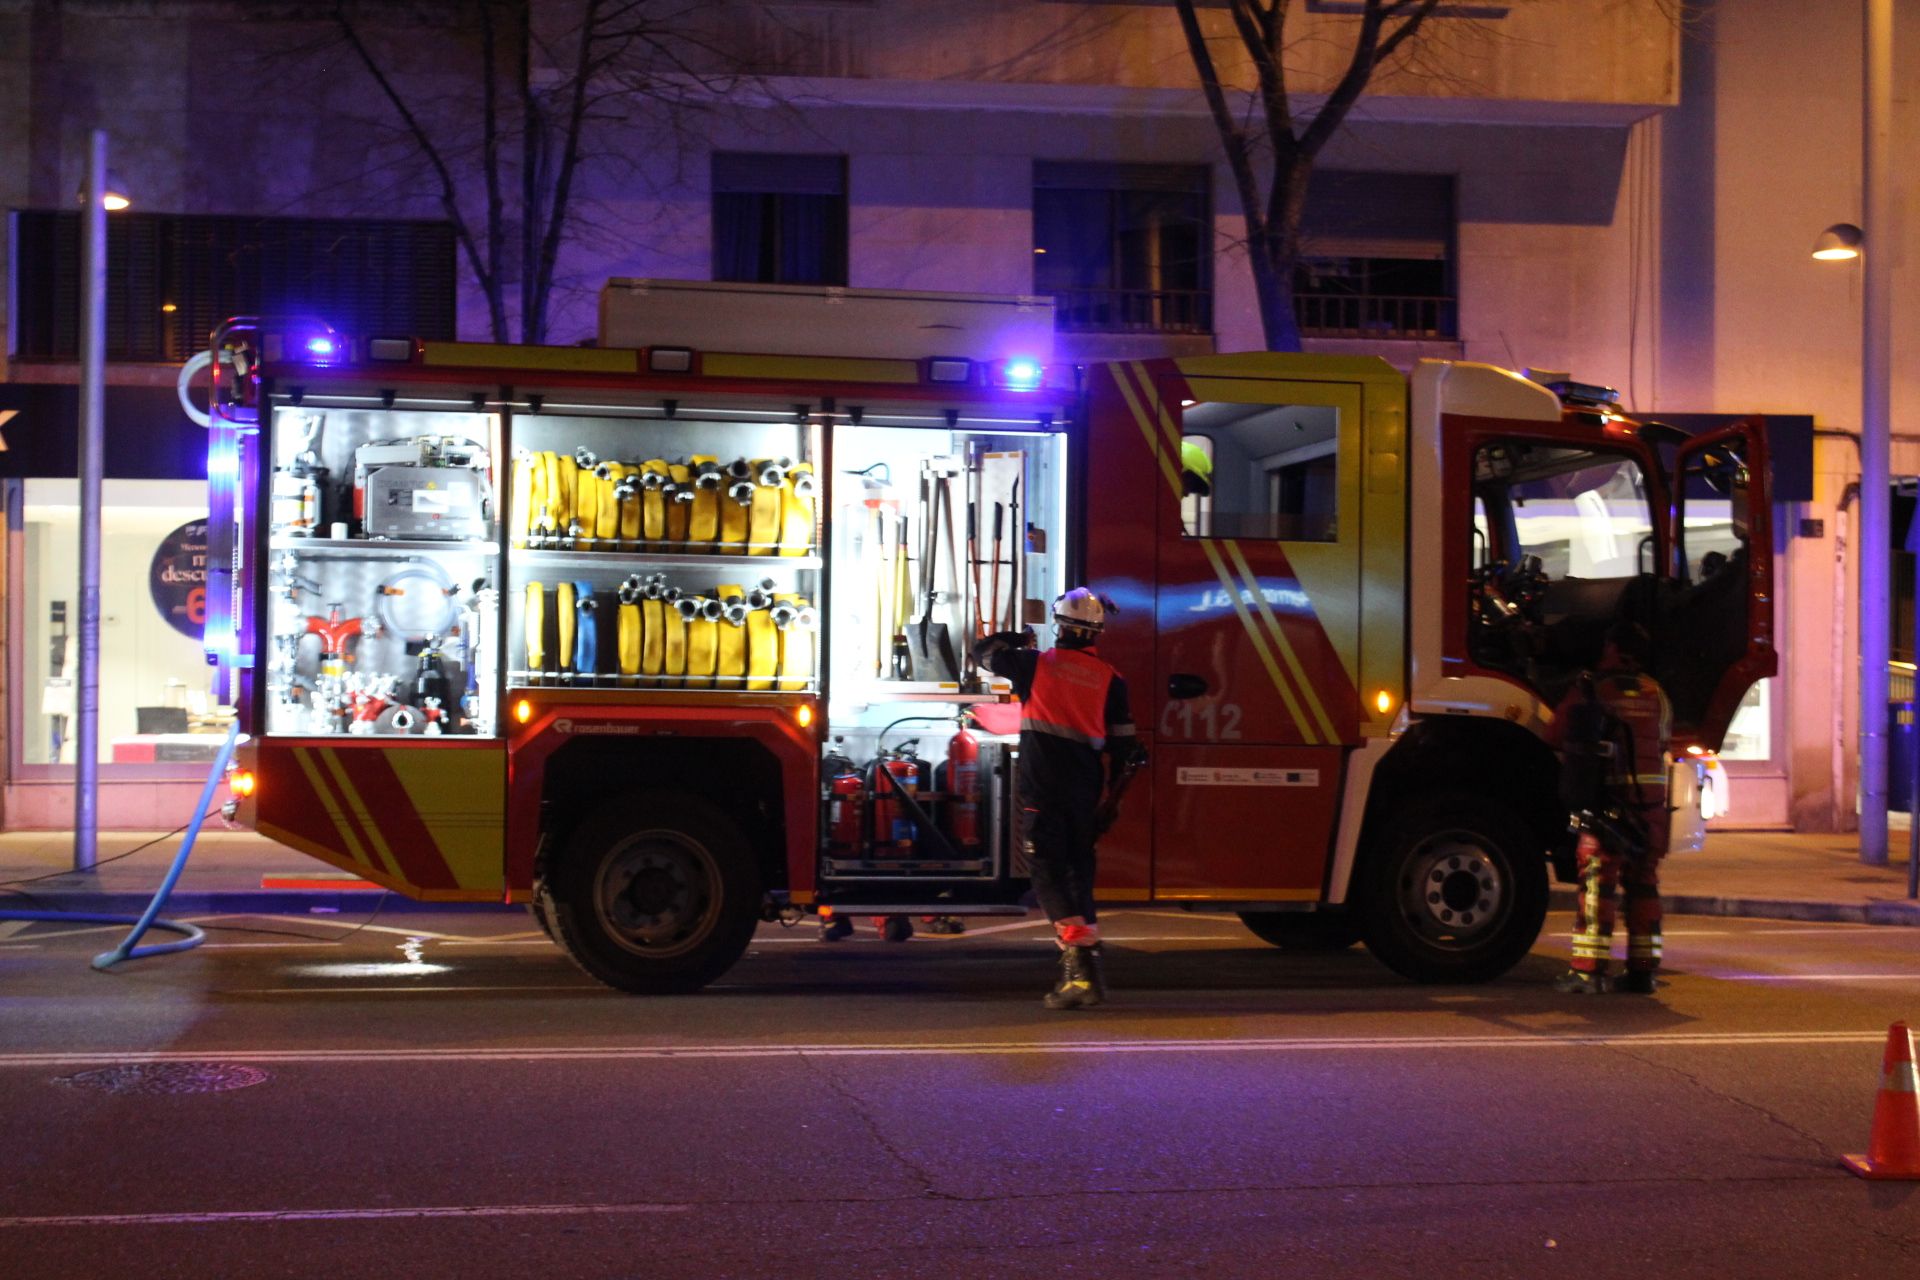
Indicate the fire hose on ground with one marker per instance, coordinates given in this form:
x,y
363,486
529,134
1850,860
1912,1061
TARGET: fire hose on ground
x,y
149,919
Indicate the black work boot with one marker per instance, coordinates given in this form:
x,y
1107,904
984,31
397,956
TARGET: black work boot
x,y
835,927
1582,982
1082,985
1639,982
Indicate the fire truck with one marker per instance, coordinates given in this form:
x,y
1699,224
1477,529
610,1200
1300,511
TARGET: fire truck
x,y
668,636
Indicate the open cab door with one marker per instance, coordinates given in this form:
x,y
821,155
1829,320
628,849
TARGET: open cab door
x,y
1714,631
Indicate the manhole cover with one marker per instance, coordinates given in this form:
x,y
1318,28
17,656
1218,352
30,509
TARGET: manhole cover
x,y
166,1077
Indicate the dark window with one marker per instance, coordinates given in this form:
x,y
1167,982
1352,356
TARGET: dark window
x,y
172,277
1124,247
1377,256
779,219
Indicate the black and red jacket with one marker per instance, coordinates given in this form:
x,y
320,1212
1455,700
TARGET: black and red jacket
x,y
1073,710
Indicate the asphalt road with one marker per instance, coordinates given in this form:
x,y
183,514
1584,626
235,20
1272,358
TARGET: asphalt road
x,y
442,1095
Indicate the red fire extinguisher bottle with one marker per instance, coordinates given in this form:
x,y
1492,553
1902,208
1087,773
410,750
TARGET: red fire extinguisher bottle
x,y
963,784
892,822
846,810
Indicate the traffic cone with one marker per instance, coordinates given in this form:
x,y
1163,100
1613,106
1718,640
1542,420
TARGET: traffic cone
x,y
1893,1148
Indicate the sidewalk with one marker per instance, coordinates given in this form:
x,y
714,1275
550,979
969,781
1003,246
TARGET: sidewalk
x,y
1775,875
229,871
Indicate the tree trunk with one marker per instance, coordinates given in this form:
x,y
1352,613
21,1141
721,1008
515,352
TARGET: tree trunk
x,y
1273,287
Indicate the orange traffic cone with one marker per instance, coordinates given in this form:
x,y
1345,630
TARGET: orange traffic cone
x,y
1893,1148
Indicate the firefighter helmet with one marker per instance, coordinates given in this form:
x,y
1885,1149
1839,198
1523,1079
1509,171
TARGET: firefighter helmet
x,y
1196,469
1079,614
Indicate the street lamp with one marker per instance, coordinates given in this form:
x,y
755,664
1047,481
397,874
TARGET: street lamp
x,y
98,195
1843,242
1839,243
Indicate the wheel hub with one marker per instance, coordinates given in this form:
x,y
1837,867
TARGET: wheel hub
x,y
658,893
1453,893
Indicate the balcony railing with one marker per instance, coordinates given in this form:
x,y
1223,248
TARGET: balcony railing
x,y
1362,315
1134,310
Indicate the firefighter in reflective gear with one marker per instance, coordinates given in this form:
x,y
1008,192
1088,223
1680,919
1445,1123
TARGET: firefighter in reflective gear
x,y
1196,470
1614,730
1074,710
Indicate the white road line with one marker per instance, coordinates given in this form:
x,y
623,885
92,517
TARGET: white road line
x,y
336,1215
1816,977
327,922
988,1048
583,986
10,927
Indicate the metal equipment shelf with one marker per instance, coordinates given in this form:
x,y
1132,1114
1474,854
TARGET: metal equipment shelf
x,y
381,546
530,556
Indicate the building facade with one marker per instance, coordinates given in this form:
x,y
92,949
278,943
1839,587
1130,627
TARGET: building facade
x,y
1582,185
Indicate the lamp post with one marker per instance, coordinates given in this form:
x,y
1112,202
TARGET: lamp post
x,y
1837,243
97,197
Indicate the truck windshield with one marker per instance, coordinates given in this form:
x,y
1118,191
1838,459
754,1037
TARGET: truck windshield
x,y
1560,534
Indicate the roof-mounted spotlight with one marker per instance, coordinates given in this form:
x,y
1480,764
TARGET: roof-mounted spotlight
x,y
949,369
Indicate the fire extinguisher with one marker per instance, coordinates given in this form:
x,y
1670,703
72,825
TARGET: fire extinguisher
x,y
962,786
846,807
892,823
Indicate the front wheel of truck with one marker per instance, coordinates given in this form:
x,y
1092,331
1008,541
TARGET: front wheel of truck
x,y
656,895
1454,889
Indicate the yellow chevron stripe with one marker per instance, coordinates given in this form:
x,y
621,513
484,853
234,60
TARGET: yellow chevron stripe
x,y
303,757
352,794
1133,397
1281,643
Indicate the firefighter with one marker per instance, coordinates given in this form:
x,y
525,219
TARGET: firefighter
x,y
1614,729
1073,709
1196,470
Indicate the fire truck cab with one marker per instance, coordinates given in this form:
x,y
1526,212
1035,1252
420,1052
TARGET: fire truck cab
x,y
669,636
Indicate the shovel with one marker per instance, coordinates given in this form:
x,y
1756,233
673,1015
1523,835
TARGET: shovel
x,y
929,645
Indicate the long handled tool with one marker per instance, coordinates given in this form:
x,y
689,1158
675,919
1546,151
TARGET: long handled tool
x,y
993,610
1016,569
973,565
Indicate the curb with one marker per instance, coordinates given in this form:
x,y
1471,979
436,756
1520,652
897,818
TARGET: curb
x,y
354,903
1895,912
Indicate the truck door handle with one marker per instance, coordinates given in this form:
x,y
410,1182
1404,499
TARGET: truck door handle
x,y
1181,686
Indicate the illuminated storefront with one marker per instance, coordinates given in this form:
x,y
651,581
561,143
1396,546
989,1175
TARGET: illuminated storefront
x,y
159,724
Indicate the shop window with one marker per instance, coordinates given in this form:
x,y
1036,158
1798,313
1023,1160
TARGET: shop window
x,y
1377,257
779,219
1124,248
155,702
1275,472
171,278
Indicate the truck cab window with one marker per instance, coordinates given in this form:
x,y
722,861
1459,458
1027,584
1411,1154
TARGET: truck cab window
x,y
1275,472
1565,532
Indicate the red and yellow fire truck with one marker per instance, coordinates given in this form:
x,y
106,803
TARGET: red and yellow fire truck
x,y
668,636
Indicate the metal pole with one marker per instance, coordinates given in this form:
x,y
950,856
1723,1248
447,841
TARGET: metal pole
x,y
1876,582
93,344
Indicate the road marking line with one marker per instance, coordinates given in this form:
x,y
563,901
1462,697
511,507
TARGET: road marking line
x,y
10,927
342,925
1009,1048
1816,977
584,986
336,1215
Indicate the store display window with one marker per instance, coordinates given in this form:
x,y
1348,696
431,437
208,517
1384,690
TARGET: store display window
x,y
158,714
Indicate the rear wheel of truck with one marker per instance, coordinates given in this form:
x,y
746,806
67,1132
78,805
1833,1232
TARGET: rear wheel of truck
x,y
656,895
1454,889
1304,932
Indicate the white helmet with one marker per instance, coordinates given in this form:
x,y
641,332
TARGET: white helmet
x,y
1080,612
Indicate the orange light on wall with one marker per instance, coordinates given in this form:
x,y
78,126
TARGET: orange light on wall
x,y
242,783
1383,702
523,711
804,716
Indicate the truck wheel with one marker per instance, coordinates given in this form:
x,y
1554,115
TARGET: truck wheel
x,y
656,895
1455,889
1304,932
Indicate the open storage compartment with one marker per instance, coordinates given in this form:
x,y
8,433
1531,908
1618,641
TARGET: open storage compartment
x,y
675,551
382,571
943,531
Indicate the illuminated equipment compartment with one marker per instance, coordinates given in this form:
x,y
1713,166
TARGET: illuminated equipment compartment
x,y
944,529
673,551
382,571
